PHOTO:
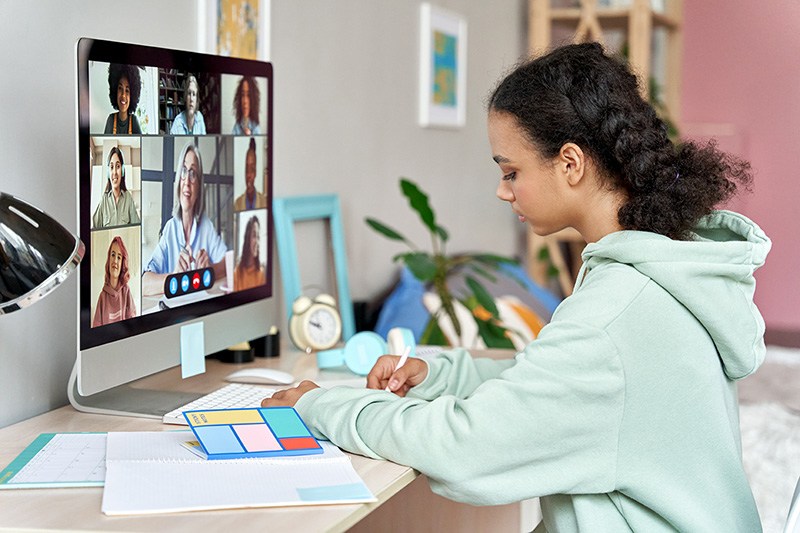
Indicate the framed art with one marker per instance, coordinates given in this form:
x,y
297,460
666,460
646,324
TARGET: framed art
x,y
292,209
443,68
236,28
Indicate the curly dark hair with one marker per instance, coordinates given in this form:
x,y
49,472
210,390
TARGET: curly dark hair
x,y
248,259
115,73
255,99
578,94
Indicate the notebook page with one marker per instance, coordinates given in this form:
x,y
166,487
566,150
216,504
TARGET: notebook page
x,y
145,474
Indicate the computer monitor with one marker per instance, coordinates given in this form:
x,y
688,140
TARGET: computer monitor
x,y
174,154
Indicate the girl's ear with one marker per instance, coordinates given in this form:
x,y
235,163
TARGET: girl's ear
x,y
572,162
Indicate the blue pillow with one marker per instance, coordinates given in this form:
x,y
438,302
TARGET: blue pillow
x,y
404,308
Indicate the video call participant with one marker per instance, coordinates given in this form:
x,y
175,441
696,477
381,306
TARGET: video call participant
x,y
251,199
116,207
190,121
115,302
246,107
248,272
189,240
124,87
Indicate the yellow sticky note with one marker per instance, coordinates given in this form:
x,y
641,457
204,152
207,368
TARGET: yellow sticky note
x,y
232,416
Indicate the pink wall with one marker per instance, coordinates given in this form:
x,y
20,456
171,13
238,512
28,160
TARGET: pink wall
x,y
741,84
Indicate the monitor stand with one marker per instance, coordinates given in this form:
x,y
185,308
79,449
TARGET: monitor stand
x,y
126,400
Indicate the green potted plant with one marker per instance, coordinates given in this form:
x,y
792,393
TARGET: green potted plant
x,y
434,267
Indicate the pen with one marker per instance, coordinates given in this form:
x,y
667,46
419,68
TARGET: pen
x,y
403,359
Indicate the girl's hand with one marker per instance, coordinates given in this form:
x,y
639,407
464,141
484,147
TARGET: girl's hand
x,y
383,374
289,397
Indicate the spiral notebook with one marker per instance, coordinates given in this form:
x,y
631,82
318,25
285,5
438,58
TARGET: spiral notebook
x,y
151,472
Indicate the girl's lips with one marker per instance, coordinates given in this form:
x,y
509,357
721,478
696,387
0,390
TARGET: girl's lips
x,y
521,218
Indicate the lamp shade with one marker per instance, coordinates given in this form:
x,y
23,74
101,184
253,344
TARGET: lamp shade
x,y
36,254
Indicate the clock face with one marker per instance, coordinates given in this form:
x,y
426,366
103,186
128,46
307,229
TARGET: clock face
x,y
322,327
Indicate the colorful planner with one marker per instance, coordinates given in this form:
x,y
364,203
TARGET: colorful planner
x,y
250,432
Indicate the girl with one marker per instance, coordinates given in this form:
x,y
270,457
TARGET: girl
x,y
115,302
622,414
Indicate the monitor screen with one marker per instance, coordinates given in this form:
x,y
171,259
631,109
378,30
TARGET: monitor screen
x,y
174,205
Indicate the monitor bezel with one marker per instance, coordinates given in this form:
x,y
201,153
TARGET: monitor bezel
x,y
89,49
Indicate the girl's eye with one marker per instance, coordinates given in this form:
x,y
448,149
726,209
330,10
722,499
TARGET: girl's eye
x,y
510,176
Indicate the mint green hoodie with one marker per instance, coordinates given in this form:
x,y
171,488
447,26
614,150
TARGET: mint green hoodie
x,y
622,415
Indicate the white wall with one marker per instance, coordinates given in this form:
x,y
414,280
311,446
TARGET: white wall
x,y
345,122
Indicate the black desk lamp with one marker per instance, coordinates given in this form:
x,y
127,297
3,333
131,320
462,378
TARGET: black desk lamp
x,y
36,254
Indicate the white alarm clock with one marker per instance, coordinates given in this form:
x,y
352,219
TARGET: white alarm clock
x,y
315,324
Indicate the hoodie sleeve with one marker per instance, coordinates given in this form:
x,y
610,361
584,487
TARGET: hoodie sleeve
x,y
457,373
546,425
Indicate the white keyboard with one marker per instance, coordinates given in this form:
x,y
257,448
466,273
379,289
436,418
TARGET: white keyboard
x,y
230,396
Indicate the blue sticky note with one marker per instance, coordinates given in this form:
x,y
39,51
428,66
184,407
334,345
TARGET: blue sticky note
x,y
333,493
218,439
193,354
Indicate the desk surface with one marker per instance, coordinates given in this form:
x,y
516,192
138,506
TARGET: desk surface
x,y
79,508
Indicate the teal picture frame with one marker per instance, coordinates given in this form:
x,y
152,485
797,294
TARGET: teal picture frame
x,y
291,209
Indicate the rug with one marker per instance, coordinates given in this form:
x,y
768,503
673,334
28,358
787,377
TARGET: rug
x,y
771,455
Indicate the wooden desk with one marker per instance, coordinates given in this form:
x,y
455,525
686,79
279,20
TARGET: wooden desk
x,y
417,509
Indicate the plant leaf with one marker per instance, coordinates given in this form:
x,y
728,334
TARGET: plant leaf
x,y
421,264
418,201
544,253
433,334
384,230
493,336
495,259
483,272
482,295
442,233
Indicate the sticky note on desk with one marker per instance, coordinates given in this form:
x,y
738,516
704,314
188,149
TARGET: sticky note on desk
x,y
250,432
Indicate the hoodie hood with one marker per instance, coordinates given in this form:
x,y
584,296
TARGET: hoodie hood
x,y
711,275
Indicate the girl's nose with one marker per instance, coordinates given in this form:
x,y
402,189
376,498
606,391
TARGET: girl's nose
x,y
504,192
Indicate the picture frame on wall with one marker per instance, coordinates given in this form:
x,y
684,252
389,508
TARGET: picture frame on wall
x,y
443,68
235,28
